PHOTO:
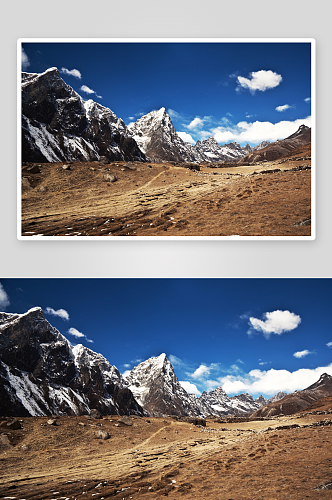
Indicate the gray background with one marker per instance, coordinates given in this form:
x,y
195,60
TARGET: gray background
x,y
180,19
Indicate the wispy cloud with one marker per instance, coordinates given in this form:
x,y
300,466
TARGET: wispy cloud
x,y
175,361
87,90
175,115
329,344
284,107
71,72
275,322
78,335
307,99
4,299
24,60
302,354
259,80
61,313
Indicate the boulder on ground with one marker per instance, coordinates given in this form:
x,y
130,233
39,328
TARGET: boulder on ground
x,y
110,178
125,420
104,160
95,413
52,421
102,435
14,424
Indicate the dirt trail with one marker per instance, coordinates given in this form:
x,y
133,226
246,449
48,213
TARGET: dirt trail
x,y
272,459
166,200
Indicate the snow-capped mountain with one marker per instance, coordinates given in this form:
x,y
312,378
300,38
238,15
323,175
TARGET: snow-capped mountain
x,y
158,139
41,373
58,125
211,151
157,389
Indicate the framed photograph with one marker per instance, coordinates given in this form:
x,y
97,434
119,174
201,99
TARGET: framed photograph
x,y
166,139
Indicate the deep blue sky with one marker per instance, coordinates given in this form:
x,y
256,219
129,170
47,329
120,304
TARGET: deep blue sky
x,y
201,324
191,80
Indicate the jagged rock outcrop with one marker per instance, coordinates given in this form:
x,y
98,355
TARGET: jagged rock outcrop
x,y
58,125
41,373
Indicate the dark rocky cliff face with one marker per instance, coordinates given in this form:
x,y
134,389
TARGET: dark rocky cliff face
x,y
57,125
42,374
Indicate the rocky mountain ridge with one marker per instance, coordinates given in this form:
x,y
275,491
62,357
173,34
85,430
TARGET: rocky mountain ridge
x,y
298,400
280,148
42,373
58,125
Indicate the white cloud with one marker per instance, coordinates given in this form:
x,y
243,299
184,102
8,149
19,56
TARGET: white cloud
x,y
276,322
62,313
190,388
283,108
25,60
256,132
301,354
4,299
76,333
71,72
329,344
272,381
202,370
195,123
126,365
87,90
260,80
126,373
307,99
186,137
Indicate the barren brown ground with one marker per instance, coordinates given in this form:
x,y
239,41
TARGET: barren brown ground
x,y
165,200
157,457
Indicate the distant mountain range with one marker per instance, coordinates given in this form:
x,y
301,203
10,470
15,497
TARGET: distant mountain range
x,y
42,373
298,400
58,125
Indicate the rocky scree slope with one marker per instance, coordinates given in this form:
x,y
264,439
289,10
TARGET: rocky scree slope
x,y
41,373
58,125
